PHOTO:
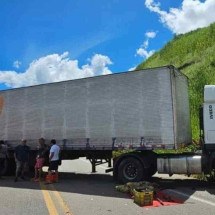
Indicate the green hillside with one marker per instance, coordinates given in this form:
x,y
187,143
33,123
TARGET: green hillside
x,y
194,54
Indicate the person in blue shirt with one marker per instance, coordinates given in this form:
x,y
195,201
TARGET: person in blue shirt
x,y
21,155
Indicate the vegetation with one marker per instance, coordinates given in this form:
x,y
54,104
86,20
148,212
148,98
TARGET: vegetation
x,y
194,55
119,152
183,149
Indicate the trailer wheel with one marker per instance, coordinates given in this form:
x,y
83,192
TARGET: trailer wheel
x,y
130,169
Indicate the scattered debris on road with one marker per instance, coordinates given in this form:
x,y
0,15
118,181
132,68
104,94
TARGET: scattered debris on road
x,y
147,194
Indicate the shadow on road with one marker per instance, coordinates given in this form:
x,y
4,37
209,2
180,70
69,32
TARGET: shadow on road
x,y
193,184
103,185
190,185
88,184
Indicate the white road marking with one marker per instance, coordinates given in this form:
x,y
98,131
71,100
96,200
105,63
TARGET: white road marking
x,y
192,197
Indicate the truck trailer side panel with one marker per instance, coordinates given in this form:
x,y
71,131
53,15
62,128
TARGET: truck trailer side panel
x,y
134,108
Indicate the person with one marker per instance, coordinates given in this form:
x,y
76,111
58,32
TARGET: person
x,y
54,157
3,157
40,159
21,155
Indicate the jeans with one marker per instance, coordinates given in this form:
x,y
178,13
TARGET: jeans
x,y
21,167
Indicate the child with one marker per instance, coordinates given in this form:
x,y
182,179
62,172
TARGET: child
x,y
40,159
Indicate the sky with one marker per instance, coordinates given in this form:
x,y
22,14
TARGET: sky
x,y
56,40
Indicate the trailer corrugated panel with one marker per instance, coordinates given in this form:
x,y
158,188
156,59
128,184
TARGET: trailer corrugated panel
x,y
134,108
181,108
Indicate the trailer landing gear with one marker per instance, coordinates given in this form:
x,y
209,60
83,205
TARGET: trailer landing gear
x,y
95,162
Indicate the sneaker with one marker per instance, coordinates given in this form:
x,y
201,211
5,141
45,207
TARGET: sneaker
x,y
36,180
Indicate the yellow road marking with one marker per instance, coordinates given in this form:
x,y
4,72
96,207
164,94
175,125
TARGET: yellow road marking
x,y
48,200
60,200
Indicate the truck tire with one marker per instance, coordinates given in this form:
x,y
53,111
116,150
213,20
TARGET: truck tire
x,y
152,170
130,170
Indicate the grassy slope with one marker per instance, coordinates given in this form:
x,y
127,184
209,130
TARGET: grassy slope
x,y
194,54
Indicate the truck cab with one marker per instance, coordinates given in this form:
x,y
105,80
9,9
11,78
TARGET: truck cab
x,y
209,117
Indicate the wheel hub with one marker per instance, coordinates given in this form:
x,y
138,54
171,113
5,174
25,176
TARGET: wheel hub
x,y
130,171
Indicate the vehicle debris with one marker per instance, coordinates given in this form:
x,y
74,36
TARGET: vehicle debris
x,y
147,194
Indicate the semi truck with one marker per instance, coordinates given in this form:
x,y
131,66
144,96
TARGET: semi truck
x,y
92,117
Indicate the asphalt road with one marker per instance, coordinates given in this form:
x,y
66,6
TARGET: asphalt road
x,y
82,193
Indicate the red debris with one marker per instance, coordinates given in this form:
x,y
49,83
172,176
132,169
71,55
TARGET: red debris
x,y
163,199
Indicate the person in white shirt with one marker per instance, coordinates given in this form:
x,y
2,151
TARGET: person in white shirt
x,y
54,158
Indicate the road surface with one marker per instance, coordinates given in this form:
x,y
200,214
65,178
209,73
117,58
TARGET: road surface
x,y
82,193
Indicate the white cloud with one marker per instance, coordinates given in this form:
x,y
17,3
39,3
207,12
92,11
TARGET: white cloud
x,y
55,67
132,68
17,64
191,15
151,34
98,65
142,51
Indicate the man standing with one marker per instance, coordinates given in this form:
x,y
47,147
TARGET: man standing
x,y
22,158
53,161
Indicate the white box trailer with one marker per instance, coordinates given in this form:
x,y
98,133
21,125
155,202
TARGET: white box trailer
x,y
142,110
147,108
